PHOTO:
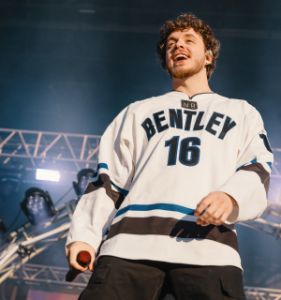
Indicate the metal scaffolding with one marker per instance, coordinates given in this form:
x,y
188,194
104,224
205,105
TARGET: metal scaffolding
x,y
30,273
256,293
269,222
31,149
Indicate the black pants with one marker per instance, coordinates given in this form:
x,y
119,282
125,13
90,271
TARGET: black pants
x,y
120,279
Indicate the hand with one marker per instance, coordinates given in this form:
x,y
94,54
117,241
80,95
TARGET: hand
x,y
217,205
71,254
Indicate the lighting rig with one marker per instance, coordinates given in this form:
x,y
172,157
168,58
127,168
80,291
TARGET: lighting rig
x,y
47,225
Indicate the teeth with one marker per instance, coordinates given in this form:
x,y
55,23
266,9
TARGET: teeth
x,y
180,56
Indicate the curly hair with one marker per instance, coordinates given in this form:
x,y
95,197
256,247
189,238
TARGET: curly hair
x,y
186,21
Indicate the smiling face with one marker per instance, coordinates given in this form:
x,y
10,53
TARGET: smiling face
x,y
185,54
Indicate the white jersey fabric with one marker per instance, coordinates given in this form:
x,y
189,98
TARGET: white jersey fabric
x,y
157,160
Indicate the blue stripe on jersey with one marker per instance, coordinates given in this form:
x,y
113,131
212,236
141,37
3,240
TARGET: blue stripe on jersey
x,y
161,206
124,192
252,162
255,161
270,164
102,166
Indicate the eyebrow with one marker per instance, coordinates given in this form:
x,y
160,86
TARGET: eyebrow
x,y
186,35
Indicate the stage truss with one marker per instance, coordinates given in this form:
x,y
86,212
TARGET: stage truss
x,y
255,293
269,222
29,149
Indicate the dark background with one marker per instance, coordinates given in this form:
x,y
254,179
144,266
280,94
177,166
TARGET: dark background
x,y
71,66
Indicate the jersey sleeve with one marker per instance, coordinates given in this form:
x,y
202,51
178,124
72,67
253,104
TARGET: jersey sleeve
x,y
250,183
110,184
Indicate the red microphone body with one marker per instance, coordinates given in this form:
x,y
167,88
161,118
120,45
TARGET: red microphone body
x,y
83,259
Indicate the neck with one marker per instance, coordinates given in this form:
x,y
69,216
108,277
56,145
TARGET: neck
x,y
191,85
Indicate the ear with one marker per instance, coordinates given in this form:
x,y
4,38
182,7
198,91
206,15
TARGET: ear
x,y
208,57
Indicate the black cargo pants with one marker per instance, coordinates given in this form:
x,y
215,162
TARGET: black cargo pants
x,y
121,279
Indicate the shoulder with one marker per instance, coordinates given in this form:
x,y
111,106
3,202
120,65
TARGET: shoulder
x,y
240,105
128,113
149,102
141,106
233,101
245,114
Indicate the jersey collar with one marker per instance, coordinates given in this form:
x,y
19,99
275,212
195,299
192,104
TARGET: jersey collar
x,y
194,96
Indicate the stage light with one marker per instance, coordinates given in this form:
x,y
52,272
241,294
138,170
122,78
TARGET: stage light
x,y
83,179
37,205
50,175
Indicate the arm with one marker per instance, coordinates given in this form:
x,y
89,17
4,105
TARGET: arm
x,y
243,197
104,195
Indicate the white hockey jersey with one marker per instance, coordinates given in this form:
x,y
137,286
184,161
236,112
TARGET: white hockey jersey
x,y
157,160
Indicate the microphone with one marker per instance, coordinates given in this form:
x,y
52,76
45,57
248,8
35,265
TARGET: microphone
x,y
83,259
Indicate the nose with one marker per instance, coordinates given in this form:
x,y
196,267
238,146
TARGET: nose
x,y
179,44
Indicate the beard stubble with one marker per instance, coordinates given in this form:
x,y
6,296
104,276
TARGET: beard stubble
x,y
182,73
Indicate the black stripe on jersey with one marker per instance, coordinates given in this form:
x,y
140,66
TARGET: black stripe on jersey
x,y
261,171
174,228
104,182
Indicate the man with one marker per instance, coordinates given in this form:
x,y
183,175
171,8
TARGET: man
x,y
175,173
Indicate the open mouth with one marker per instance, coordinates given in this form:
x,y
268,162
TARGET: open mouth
x,y
180,57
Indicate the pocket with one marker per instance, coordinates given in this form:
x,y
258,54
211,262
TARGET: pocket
x,y
99,274
96,284
232,285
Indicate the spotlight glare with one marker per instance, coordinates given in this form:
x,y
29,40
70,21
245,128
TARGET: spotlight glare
x,y
50,175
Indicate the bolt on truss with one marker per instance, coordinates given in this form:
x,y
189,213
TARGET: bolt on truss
x,y
31,149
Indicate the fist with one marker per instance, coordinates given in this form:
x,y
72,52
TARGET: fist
x,y
72,251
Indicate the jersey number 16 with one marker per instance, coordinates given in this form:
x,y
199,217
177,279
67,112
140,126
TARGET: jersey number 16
x,y
189,152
